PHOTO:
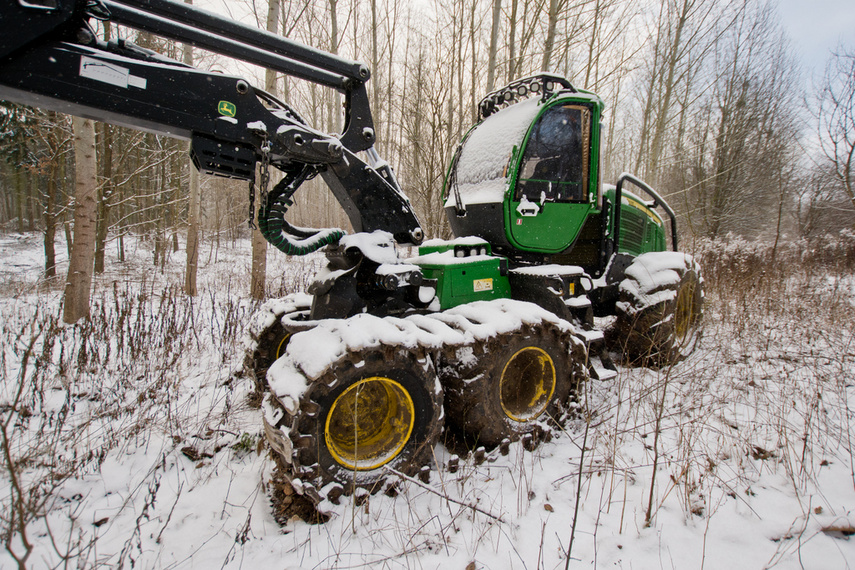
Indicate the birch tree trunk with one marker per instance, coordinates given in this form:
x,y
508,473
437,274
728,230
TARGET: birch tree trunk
x,y
194,207
512,42
79,282
104,198
552,23
193,215
51,216
106,190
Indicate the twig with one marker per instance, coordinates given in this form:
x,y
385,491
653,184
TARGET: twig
x,y
169,516
656,433
18,502
578,493
444,496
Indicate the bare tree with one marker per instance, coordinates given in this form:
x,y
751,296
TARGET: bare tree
x,y
744,134
686,32
836,118
494,44
56,139
259,244
79,282
820,206
194,206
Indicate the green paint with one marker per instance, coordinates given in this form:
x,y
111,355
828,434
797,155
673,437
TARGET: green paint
x,y
462,277
546,206
641,229
561,215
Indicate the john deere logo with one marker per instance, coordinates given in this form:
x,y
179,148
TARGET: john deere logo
x,y
227,109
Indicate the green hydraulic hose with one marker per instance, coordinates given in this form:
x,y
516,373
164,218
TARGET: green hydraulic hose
x,y
282,235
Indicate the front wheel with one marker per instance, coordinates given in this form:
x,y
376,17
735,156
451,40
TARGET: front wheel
x,y
270,331
371,410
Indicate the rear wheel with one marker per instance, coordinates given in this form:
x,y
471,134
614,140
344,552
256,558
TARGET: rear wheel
x,y
369,411
510,385
272,340
660,309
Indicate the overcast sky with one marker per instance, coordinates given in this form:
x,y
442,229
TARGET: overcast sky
x,y
818,26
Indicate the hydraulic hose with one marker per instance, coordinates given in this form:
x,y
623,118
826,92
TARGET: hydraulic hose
x,y
278,232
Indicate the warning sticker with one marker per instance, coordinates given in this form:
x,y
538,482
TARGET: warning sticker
x,y
111,73
483,285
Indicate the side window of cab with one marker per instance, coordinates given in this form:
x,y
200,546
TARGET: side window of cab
x,y
555,163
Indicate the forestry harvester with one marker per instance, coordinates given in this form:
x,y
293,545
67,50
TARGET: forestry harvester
x,y
486,336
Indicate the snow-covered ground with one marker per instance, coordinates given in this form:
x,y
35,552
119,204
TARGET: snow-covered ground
x,y
134,444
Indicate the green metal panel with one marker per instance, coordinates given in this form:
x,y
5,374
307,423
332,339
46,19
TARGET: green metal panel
x,y
553,230
641,229
465,272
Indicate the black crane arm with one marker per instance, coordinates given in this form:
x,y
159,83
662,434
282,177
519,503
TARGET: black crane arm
x,y
50,57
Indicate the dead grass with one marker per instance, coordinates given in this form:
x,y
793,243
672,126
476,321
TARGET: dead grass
x,y
764,394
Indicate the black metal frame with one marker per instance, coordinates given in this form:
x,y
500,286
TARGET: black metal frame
x,y
47,46
657,202
29,30
544,85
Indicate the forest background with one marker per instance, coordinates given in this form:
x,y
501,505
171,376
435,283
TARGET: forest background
x,y
706,100
129,438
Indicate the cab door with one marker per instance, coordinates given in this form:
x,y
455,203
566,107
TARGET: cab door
x,y
551,196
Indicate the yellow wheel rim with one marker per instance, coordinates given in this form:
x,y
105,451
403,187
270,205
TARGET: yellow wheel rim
x,y
684,311
369,423
283,344
527,384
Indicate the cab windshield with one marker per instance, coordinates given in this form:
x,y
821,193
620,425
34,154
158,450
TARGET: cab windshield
x,y
554,166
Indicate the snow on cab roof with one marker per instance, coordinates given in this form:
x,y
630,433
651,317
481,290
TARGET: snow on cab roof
x,y
485,154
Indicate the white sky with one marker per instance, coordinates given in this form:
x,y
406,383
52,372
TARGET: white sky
x,y
816,27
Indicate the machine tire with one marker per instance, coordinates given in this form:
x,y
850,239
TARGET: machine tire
x,y
483,382
271,343
660,309
402,420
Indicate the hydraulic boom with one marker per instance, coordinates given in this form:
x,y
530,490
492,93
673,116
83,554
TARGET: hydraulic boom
x,y
51,57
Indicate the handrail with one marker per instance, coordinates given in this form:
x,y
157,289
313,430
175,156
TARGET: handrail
x,y
657,201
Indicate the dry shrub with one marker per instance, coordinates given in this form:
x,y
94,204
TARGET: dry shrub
x,y
765,393
72,394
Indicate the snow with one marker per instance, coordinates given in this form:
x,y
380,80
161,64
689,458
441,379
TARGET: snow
x,y
310,353
546,270
257,126
320,236
580,302
447,258
395,269
378,246
274,308
648,273
527,208
150,460
485,154
465,240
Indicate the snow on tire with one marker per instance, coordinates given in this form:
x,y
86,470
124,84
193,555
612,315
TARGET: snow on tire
x,y
378,408
269,332
511,384
660,309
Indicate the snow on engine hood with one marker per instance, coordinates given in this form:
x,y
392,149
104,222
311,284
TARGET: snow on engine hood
x,y
485,154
